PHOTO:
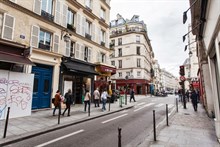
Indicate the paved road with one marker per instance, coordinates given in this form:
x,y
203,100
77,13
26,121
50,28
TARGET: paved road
x,y
136,125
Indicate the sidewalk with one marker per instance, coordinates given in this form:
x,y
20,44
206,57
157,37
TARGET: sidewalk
x,y
42,121
186,129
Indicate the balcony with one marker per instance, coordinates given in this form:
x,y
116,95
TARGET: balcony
x,y
102,43
47,16
71,27
111,45
44,46
89,9
102,19
88,36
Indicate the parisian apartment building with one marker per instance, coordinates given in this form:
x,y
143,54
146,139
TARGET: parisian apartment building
x,y
64,44
132,56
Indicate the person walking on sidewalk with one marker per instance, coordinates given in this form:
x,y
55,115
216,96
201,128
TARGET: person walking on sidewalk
x,y
96,95
68,101
104,99
132,95
194,100
57,102
87,100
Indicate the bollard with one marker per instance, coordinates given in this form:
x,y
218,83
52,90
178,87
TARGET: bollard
x,y
6,123
89,108
167,114
119,137
176,104
59,113
109,104
154,124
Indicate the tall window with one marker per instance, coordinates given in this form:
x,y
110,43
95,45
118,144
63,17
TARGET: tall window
x,y
138,73
103,58
119,52
138,62
86,50
102,37
113,63
44,40
102,15
1,23
119,74
72,49
119,41
128,73
88,27
47,6
119,63
138,50
137,39
70,19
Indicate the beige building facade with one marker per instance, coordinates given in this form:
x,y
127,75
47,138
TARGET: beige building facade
x,y
67,41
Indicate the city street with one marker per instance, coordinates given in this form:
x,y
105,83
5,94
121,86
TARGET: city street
x,y
136,125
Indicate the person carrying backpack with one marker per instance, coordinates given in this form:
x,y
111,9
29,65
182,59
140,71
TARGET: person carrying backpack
x,y
68,102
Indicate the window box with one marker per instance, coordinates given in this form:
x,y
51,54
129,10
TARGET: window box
x,y
102,43
88,36
44,46
47,16
71,27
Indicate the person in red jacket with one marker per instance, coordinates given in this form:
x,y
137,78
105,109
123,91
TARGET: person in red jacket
x,y
57,102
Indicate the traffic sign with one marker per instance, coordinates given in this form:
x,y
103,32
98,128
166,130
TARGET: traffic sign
x,y
182,78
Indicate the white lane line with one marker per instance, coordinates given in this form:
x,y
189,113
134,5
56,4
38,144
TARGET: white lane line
x,y
143,107
60,138
141,103
159,105
114,118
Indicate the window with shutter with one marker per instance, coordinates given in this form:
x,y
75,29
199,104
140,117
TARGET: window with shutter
x,y
77,50
98,56
57,12
8,27
82,52
1,23
107,40
83,26
78,28
37,7
68,44
56,43
71,20
93,32
45,40
89,55
72,49
64,21
35,36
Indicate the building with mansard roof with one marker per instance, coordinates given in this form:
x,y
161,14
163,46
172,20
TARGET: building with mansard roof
x,y
132,54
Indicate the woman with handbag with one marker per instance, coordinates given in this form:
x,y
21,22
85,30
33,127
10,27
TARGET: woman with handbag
x,y
57,102
87,99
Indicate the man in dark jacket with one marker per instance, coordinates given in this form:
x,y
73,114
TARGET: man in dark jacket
x,y
68,102
132,95
194,99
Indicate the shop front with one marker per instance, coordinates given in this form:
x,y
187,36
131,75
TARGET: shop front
x,y
77,76
102,80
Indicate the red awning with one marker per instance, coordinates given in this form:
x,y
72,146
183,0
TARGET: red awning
x,y
195,84
13,58
106,69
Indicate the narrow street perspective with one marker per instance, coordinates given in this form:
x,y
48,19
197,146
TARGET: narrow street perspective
x,y
110,73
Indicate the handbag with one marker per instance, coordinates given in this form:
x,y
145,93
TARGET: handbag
x,y
53,100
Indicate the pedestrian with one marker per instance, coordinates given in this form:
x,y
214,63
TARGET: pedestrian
x,y
194,100
57,102
187,95
104,99
87,99
96,95
180,95
68,101
132,95
83,92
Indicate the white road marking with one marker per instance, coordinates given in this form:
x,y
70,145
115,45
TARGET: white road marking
x,y
60,138
159,105
114,118
141,103
143,107
170,105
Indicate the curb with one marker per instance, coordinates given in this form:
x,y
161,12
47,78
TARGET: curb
x,y
36,133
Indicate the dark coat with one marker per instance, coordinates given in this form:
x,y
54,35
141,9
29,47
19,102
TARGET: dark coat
x,y
194,98
68,97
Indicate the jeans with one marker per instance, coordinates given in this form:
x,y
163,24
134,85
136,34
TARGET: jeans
x,y
103,104
86,102
56,107
96,101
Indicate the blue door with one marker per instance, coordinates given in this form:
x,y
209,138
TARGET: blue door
x,y
42,86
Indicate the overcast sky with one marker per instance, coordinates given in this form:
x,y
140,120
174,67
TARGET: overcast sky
x,y
164,24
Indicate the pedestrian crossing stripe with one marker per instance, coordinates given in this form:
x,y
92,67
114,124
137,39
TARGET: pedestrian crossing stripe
x,y
159,105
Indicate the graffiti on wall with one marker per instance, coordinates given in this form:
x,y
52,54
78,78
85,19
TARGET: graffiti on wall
x,y
16,93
